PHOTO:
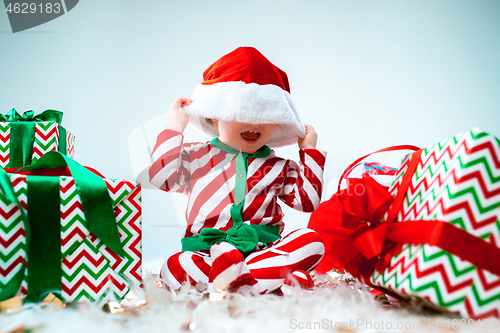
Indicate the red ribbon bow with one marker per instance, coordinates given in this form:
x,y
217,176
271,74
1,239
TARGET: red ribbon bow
x,y
373,243
364,203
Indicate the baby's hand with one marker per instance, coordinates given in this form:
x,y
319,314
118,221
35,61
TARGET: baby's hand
x,y
178,118
309,141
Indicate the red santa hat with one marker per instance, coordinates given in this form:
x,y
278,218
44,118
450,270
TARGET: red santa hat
x,y
244,86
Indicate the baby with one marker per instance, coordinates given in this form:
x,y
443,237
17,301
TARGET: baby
x,y
234,222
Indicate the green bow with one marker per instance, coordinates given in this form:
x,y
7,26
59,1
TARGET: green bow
x,y
43,226
22,134
242,236
47,115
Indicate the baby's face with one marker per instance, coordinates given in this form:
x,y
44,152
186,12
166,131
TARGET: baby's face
x,y
247,138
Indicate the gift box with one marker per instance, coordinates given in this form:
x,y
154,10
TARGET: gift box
x,y
439,239
81,244
25,138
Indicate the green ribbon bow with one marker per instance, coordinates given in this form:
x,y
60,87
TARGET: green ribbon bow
x,y
43,223
47,115
22,134
242,236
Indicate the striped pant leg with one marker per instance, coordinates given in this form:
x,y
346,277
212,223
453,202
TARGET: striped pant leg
x,y
186,266
224,268
229,270
300,249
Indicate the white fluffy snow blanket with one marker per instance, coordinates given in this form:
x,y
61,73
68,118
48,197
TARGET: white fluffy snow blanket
x,y
330,307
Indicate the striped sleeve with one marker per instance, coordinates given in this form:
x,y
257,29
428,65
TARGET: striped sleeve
x,y
304,181
170,168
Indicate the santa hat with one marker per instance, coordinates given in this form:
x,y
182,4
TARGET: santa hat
x,y
244,86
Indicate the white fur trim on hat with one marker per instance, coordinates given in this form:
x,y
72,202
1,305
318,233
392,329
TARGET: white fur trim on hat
x,y
247,103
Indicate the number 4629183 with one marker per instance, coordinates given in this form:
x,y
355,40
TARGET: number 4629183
x,y
31,8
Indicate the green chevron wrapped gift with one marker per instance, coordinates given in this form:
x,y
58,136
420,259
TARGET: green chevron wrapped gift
x,y
450,258
76,235
25,138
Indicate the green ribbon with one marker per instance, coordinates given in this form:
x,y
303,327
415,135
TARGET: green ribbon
x,y
22,134
47,115
266,234
94,195
44,248
243,236
241,168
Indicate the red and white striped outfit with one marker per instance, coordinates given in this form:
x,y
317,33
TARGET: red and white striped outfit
x,y
207,173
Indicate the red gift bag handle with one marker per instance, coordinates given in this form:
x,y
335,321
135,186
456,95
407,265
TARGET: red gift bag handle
x,y
355,163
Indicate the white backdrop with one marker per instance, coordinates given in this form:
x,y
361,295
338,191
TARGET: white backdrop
x,y
365,73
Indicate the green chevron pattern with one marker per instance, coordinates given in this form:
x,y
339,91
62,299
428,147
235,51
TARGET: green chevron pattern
x,y
91,272
46,139
14,249
4,144
426,272
114,270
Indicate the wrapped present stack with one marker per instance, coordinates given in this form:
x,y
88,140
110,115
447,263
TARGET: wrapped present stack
x,y
65,229
25,138
440,240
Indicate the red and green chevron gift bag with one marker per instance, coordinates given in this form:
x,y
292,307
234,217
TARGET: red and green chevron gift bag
x,y
456,181
87,268
27,137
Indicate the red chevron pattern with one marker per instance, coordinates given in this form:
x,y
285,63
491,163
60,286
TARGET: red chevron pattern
x,y
11,267
88,275
47,134
46,139
70,145
9,241
437,200
8,212
12,233
4,159
73,231
101,273
457,180
488,281
90,270
126,197
5,136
